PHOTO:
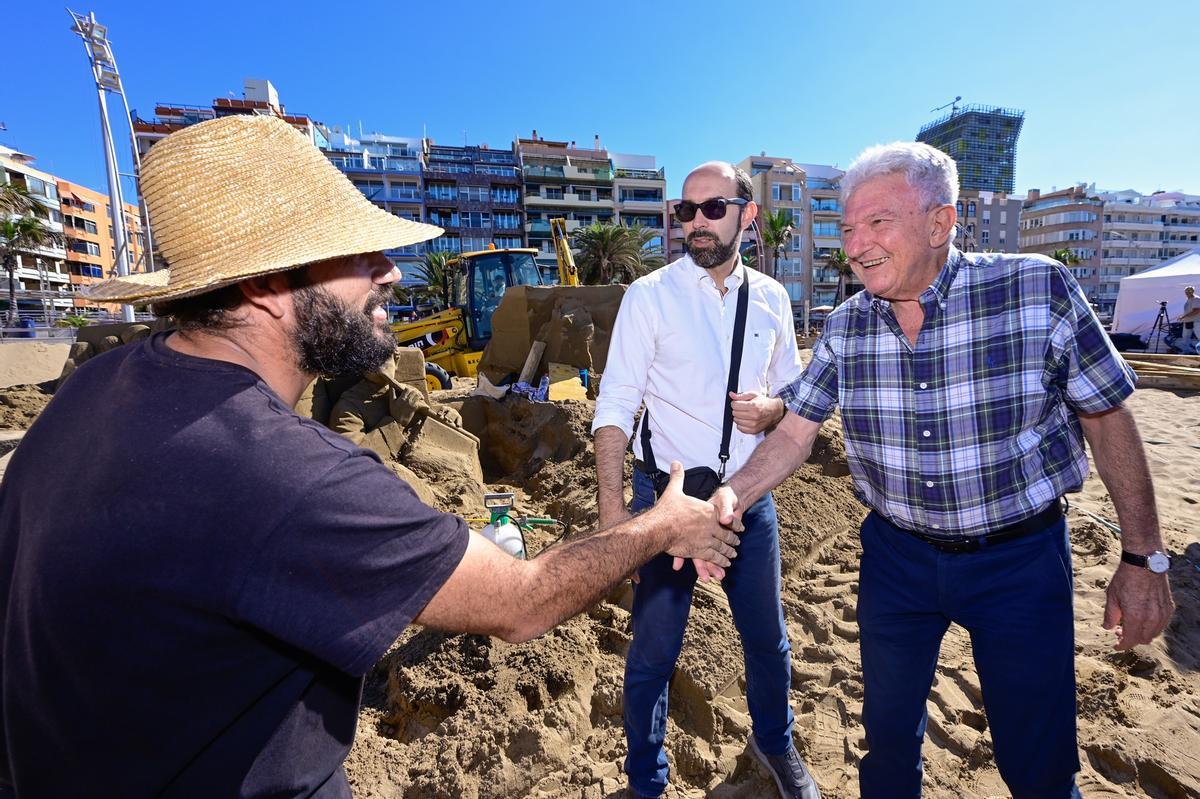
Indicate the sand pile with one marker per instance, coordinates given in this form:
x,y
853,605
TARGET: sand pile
x,y
469,716
464,716
21,404
27,361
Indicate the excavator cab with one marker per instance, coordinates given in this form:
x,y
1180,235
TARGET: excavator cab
x,y
489,273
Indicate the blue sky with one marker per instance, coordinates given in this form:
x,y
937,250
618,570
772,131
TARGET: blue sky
x,y
1109,88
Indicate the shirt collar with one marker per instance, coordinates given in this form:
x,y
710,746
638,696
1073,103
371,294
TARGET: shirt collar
x,y
939,289
702,276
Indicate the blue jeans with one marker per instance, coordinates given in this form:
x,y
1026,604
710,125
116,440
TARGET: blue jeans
x,y
661,602
1015,600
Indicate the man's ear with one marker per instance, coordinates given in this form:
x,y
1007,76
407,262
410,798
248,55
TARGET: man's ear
x,y
749,214
270,293
942,228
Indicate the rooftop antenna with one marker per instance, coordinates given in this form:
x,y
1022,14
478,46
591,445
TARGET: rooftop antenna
x,y
108,80
952,105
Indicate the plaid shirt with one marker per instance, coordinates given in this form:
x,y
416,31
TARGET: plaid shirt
x,y
971,429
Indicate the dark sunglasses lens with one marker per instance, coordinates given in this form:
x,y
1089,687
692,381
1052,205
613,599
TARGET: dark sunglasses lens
x,y
713,209
685,211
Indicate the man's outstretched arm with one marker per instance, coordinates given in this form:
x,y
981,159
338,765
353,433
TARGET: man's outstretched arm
x,y
495,594
773,461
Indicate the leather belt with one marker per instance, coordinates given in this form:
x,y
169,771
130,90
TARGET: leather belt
x,y
1032,524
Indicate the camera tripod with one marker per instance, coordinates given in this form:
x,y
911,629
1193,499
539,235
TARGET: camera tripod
x,y
1160,331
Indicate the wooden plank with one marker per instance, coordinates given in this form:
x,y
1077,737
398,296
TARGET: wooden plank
x,y
1191,361
531,362
1169,382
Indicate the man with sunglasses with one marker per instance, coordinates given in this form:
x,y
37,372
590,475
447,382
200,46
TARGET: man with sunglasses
x,y
671,350
967,383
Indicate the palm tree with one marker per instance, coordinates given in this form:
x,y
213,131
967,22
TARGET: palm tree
x,y
437,277
22,234
1065,256
839,261
776,232
15,200
611,253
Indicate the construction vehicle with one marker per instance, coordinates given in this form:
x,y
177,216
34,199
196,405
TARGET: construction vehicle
x,y
453,340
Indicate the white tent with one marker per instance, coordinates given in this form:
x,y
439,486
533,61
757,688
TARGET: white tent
x,y
1140,294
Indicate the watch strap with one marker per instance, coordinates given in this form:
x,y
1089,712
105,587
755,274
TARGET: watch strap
x,y
1135,560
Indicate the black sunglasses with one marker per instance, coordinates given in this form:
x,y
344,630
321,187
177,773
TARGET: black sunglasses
x,y
714,209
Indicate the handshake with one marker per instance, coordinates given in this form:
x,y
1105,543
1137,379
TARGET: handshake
x,y
705,531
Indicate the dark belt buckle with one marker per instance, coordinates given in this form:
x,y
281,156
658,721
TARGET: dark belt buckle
x,y
956,546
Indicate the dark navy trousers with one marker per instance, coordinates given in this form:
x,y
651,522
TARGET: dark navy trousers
x,y
1015,601
661,602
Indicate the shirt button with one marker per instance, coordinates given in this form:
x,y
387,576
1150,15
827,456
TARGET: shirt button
x,y
926,434
929,484
924,385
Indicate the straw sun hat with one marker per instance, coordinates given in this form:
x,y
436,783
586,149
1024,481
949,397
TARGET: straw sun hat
x,y
243,196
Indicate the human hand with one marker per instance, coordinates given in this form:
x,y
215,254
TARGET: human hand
x,y
753,412
705,571
694,529
1139,605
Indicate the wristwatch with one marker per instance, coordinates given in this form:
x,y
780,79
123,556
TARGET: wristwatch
x,y
1157,562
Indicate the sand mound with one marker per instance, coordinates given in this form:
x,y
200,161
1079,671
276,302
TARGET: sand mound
x,y
20,405
31,361
469,716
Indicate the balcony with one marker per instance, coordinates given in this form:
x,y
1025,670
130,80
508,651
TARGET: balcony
x,y
569,199
640,174
604,175
391,195
634,203
541,227
532,171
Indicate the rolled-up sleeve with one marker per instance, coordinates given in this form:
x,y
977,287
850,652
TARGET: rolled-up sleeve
x,y
630,352
1093,376
814,394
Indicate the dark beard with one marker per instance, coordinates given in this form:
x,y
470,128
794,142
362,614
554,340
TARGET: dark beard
x,y
331,339
710,257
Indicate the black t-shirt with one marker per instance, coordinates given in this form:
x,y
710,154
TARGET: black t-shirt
x,y
193,582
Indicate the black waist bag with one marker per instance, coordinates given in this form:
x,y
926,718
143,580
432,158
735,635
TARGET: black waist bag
x,y
702,482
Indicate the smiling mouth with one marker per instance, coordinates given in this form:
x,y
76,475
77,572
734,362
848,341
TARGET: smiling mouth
x,y
872,262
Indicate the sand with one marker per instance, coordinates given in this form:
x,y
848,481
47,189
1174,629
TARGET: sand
x,y
31,361
470,716
451,716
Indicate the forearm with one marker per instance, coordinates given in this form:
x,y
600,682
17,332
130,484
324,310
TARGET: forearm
x,y
610,443
1121,463
775,458
570,578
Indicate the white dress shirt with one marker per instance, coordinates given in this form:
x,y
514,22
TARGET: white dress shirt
x,y
670,348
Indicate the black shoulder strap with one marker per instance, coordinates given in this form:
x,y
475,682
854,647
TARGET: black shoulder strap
x,y
735,366
647,450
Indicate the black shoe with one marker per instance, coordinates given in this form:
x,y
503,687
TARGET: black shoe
x,y
790,773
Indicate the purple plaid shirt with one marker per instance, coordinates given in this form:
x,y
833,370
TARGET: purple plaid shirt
x,y
973,428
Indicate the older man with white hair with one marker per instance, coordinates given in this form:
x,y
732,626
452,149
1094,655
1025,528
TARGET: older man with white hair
x,y
967,384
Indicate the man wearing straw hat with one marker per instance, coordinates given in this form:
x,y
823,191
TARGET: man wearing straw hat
x,y
194,578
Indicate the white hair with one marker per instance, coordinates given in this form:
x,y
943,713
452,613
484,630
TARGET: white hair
x,y
927,169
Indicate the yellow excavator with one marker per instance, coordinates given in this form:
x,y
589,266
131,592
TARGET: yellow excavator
x,y
453,340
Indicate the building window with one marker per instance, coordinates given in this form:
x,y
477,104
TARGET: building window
x,y
477,194
984,237
584,194
506,220
508,242
642,195
797,217
474,243
1003,220
971,208
477,219
776,191
504,194
795,192
554,193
